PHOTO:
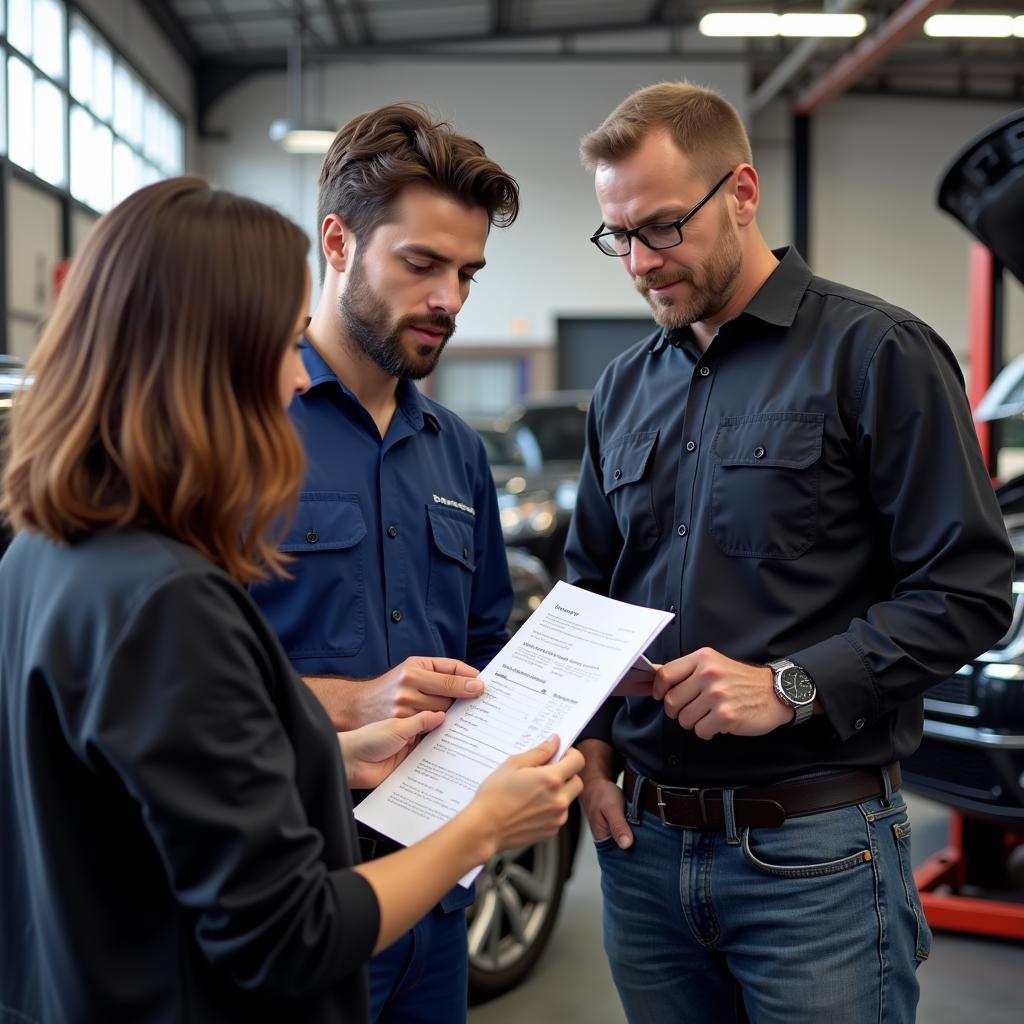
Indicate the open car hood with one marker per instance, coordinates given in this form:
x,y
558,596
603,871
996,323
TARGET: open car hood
x,y
983,188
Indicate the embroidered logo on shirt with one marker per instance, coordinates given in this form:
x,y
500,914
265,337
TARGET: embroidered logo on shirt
x,y
452,503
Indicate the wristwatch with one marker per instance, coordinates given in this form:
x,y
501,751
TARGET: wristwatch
x,y
795,688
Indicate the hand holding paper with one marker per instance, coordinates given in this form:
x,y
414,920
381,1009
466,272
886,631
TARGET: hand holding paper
x,y
551,677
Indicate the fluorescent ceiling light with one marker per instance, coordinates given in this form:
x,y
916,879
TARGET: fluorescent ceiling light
x,y
729,24
766,24
982,26
301,139
838,25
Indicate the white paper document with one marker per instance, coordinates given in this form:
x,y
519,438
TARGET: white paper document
x,y
550,678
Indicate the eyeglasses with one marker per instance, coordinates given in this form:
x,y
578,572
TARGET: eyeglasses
x,y
654,236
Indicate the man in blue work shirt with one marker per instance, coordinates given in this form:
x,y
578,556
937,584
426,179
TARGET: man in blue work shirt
x,y
400,588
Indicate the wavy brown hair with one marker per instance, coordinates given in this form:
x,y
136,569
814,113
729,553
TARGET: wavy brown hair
x,y
379,153
154,394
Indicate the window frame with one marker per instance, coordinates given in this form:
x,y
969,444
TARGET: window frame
x,y
70,204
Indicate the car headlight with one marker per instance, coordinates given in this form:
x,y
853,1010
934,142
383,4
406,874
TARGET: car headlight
x,y
529,517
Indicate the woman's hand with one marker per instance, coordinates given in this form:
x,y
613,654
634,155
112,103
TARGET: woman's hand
x,y
372,752
527,799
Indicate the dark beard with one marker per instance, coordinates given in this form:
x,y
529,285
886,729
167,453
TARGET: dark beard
x,y
365,317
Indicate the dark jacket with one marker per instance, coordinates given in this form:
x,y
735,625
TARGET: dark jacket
x,y
177,831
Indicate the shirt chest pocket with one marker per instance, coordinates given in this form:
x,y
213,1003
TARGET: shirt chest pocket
x,y
627,479
764,487
321,610
450,580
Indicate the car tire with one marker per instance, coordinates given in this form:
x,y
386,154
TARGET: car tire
x,y
518,896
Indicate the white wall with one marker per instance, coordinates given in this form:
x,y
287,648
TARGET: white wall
x,y
875,164
529,117
875,223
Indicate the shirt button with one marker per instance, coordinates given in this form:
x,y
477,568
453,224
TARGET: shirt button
x,y
705,372
312,536
617,474
465,552
759,452
392,531
681,529
672,608
396,615
673,759
690,446
859,724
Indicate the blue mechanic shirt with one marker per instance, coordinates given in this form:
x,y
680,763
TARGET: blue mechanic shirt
x,y
396,542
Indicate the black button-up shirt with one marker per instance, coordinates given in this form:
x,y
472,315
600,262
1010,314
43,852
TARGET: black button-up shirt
x,y
810,487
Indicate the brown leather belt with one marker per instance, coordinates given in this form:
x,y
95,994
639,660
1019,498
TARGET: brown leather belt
x,y
761,806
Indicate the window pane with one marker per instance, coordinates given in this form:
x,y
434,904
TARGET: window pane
x,y
127,171
19,25
91,172
3,107
48,37
19,117
81,62
149,174
176,157
153,128
103,177
49,132
128,95
103,83
81,154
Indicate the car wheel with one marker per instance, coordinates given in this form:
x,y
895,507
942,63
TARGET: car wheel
x,y
517,900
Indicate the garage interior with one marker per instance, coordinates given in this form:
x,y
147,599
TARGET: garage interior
x,y
852,137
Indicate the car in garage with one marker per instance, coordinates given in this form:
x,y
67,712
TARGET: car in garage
x,y
972,753
535,451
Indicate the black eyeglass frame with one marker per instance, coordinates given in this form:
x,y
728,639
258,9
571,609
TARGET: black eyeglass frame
x,y
632,233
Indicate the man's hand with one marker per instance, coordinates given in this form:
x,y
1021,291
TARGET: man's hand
x,y
372,752
709,693
601,799
414,685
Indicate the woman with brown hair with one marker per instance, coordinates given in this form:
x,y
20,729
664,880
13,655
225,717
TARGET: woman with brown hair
x,y
178,840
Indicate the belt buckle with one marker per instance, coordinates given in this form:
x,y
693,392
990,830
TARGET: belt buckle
x,y
688,790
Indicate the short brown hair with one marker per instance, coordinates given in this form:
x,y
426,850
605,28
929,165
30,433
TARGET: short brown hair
x,y
378,154
705,127
154,396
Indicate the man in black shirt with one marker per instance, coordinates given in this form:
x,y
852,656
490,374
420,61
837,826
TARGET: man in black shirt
x,y
790,466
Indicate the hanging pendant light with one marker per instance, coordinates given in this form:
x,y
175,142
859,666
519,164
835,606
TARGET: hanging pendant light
x,y
294,133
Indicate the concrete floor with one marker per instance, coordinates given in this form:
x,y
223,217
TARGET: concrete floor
x,y
966,979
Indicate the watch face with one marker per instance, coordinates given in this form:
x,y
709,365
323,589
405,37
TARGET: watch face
x,y
797,685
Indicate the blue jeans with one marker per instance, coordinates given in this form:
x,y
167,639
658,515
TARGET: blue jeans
x,y
818,920
422,977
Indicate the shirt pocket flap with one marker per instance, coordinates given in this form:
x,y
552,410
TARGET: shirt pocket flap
x,y
453,535
625,459
791,440
325,521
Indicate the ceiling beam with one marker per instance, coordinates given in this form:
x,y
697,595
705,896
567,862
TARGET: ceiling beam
x,y
854,65
173,29
358,11
501,17
794,62
340,35
657,15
